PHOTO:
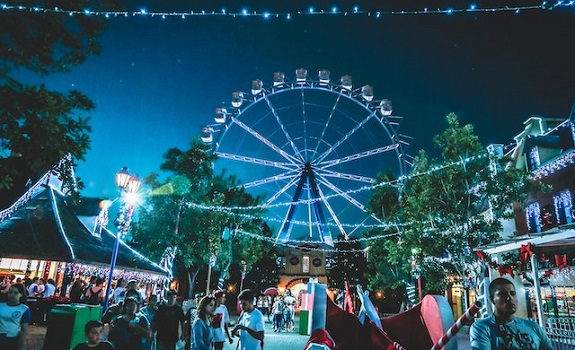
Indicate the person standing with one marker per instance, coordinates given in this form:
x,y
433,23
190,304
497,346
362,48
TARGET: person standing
x,y
76,291
504,330
250,327
27,279
95,295
221,321
50,288
127,331
278,311
150,312
14,319
4,287
202,333
289,312
120,290
168,323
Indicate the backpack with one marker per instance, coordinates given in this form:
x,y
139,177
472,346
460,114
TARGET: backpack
x,y
93,299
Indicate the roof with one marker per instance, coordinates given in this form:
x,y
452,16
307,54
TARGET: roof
x,y
560,236
46,228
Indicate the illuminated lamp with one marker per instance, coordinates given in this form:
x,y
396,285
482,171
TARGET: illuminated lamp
x,y
324,76
346,82
237,99
257,86
220,117
122,178
207,135
367,93
300,75
133,184
278,78
385,107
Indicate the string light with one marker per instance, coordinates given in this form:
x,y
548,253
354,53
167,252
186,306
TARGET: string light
x,y
334,11
353,191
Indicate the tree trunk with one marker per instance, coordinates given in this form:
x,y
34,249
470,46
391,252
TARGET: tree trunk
x,y
192,281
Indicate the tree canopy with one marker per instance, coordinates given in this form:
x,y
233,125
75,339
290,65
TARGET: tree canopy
x,y
184,212
39,127
444,209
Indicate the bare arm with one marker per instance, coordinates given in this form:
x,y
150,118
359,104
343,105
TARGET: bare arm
x,y
22,336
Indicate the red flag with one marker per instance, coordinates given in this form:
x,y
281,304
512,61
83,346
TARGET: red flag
x,y
348,301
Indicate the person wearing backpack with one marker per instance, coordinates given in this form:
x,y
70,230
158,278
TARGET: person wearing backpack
x,y
95,295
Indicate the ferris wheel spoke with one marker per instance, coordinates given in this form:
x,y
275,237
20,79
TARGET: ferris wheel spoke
x,y
332,213
343,139
267,142
252,160
304,125
372,152
282,127
282,191
349,198
340,175
270,179
334,108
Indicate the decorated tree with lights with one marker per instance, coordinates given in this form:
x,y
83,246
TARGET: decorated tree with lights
x,y
446,208
185,213
348,264
39,127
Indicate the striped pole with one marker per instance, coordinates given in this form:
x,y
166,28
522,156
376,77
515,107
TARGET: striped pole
x,y
457,325
396,346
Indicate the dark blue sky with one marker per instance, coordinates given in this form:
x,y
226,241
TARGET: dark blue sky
x,y
158,81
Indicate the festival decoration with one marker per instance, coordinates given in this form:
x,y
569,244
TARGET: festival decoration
x,y
311,11
525,252
461,321
83,270
561,261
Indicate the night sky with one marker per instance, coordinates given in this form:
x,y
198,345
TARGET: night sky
x,y
158,81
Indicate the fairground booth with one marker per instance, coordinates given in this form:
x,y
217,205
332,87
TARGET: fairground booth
x,y
44,233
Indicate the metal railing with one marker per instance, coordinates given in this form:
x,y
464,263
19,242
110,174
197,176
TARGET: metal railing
x,y
561,331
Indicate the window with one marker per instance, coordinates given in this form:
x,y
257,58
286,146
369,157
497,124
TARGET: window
x,y
533,217
563,207
305,264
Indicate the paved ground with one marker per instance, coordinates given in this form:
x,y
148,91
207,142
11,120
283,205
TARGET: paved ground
x,y
273,341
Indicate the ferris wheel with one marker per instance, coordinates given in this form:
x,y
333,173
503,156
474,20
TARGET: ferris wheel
x,y
312,149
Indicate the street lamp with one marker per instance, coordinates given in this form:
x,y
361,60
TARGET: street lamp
x,y
128,185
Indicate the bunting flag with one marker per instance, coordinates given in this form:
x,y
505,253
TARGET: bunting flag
x,y
367,309
348,301
410,289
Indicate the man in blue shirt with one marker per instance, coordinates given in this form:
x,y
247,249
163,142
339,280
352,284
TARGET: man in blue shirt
x,y
503,330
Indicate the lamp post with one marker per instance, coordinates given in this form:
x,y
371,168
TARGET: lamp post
x,y
128,185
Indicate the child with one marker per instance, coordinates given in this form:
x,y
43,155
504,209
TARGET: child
x,y
93,331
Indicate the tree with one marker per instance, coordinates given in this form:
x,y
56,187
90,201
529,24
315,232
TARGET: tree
x,y
349,265
184,212
39,127
450,206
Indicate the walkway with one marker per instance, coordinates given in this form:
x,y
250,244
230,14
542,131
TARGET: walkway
x,y
273,341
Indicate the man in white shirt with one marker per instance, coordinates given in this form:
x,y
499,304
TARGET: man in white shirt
x,y
250,327
221,321
49,288
289,312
